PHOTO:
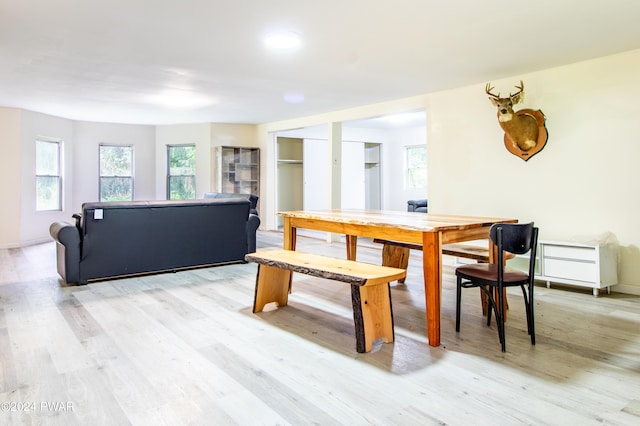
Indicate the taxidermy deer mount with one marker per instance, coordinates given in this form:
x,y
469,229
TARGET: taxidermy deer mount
x,y
524,130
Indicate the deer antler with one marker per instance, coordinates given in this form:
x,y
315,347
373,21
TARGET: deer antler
x,y
488,90
521,88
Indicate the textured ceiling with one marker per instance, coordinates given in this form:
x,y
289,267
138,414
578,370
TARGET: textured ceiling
x,y
163,61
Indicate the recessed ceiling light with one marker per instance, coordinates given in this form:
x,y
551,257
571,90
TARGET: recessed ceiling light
x,y
293,97
282,40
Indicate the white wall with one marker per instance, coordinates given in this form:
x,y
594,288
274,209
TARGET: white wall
x,y
198,134
320,124
393,143
583,183
395,193
21,225
34,225
18,131
89,136
229,135
353,188
233,135
316,174
10,173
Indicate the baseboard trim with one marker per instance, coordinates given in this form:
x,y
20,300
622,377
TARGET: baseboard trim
x,y
626,289
25,243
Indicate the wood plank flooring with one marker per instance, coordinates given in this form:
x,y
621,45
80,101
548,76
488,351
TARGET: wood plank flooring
x,y
184,349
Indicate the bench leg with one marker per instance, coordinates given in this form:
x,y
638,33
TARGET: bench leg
x,y
395,257
272,285
372,315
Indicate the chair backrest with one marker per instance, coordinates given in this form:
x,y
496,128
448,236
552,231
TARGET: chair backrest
x,y
517,238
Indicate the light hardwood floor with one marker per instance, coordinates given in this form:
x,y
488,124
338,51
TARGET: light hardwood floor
x,y
185,348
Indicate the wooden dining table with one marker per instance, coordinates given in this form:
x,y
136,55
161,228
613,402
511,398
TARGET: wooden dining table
x,y
431,230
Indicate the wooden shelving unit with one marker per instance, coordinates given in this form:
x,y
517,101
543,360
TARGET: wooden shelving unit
x,y
239,170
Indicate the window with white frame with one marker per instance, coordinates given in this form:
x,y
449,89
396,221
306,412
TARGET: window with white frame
x,y
416,161
116,172
181,172
48,175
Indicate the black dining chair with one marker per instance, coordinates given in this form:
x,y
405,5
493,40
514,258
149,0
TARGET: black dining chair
x,y
493,278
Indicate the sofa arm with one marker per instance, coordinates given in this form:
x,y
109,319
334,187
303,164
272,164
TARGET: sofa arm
x,y
417,205
67,238
253,222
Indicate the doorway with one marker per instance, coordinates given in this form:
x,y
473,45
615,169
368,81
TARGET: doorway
x,y
289,177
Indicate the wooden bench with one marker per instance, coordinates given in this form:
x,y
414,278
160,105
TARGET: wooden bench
x,y
396,253
370,291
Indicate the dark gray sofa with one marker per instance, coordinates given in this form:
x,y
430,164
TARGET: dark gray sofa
x,y
417,206
253,199
137,237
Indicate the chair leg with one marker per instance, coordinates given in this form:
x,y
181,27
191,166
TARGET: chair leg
x,y
487,290
532,326
500,319
458,297
527,308
528,303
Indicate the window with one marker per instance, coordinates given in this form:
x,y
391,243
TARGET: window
x,y
181,172
416,167
48,178
116,173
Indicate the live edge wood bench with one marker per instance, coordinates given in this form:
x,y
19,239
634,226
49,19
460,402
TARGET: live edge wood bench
x,y
370,291
396,254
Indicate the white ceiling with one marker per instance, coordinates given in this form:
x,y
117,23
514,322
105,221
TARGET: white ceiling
x,y
116,61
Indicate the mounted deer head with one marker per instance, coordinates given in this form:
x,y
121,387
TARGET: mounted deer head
x,y
521,128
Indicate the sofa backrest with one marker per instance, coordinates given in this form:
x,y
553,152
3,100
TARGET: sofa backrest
x,y
252,198
141,236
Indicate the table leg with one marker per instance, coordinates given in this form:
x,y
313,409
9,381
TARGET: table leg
x,y
289,235
432,270
289,243
352,244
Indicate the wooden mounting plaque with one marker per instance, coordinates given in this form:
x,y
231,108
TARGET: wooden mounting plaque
x,y
513,148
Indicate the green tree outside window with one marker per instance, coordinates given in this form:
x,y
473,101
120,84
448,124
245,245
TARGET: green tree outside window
x,y
116,173
181,176
416,167
48,177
